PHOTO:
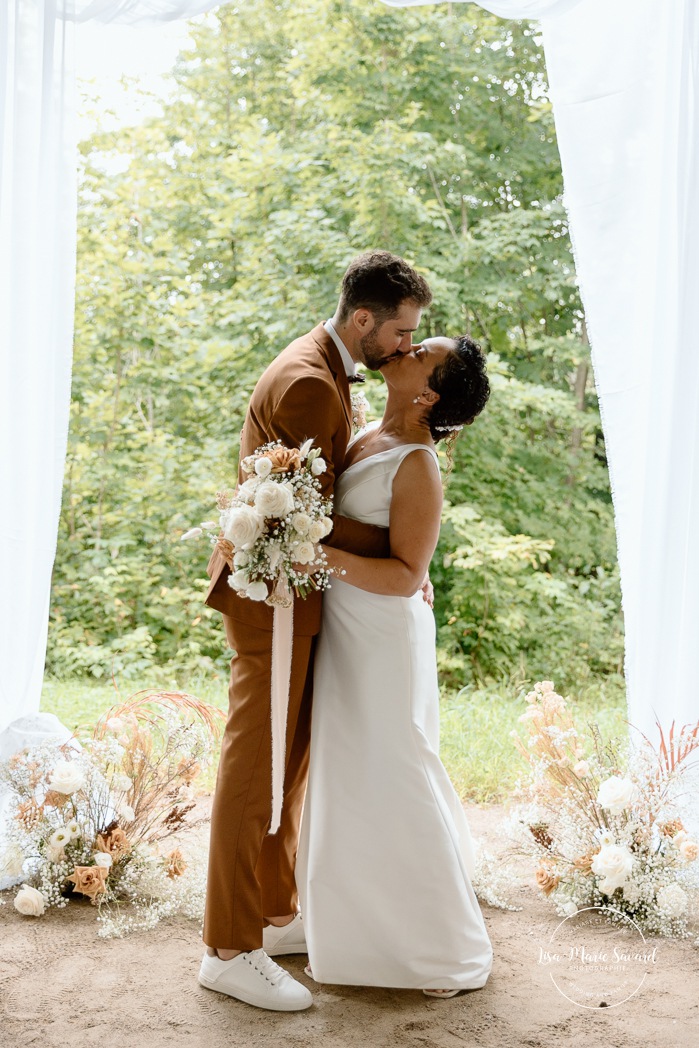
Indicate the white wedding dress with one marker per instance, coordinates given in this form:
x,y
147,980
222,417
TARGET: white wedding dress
x,y
385,851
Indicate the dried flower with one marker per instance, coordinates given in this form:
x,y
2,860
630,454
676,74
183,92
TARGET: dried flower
x,y
29,814
541,834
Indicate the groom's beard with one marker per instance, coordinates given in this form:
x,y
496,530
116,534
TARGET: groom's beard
x,y
374,356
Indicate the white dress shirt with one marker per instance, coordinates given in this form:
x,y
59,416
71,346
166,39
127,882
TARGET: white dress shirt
x,y
350,366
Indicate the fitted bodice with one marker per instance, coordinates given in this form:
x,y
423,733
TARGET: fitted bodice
x,y
364,491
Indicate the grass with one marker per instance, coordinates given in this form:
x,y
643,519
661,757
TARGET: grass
x,y
476,722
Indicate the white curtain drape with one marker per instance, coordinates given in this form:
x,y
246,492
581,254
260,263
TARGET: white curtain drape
x,y
38,165
624,87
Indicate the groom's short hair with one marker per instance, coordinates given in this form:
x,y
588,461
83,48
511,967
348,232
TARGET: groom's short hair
x,y
381,282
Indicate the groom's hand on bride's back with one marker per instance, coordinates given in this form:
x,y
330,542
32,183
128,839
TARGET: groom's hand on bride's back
x,y
427,590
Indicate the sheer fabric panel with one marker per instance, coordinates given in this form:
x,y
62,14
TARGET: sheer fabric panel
x,y
37,265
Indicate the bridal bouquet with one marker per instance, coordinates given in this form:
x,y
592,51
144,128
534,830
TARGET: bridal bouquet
x,y
604,828
90,818
271,524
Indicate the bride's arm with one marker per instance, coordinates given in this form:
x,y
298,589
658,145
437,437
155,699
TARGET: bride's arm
x,y
416,508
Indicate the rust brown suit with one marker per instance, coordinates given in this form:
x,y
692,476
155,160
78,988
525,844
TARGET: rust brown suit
x,y
303,393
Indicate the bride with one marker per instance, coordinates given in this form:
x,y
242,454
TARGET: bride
x,y
385,856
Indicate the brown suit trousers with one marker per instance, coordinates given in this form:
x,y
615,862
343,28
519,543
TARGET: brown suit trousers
x,y
303,393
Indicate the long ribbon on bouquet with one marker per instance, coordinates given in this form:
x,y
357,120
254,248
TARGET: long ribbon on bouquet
x,y
282,643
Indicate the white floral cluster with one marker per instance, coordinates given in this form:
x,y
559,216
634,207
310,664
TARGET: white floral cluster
x,y
493,881
275,520
148,894
603,827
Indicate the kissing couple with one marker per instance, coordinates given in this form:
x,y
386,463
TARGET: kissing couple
x,y
370,870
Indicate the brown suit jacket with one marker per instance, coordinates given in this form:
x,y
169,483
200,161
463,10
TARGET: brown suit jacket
x,y
303,393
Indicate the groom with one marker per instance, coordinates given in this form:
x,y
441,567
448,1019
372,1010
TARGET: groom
x,y
251,904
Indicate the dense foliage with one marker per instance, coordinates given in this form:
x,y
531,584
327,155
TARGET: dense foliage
x,y
212,235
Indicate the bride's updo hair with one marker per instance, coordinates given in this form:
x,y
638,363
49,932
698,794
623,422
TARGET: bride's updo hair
x,y
463,387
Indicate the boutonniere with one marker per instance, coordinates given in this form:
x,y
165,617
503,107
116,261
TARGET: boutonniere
x,y
360,406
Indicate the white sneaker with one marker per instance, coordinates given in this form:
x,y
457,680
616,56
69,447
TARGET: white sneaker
x,y
256,979
291,938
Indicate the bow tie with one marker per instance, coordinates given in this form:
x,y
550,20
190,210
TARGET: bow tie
x,y
356,378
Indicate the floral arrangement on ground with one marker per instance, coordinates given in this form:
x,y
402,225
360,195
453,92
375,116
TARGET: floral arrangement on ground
x,y
603,822
94,817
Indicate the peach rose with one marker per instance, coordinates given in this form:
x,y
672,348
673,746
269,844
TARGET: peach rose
x,y
114,843
175,864
90,880
284,459
546,879
584,862
689,850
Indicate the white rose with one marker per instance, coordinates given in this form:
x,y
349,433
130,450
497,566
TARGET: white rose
x,y
301,522
304,553
12,862
247,490
569,908
316,532
581,769
102,859
29,901
273,500
243,526
67,777
241,559
613,864
318,466
672,900
328,526
239,580
257,591
615,794
263,467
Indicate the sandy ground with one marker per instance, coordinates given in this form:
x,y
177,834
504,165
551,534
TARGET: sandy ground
x,y
60,985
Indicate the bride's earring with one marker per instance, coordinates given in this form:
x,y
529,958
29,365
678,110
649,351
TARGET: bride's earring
x,y
416,400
